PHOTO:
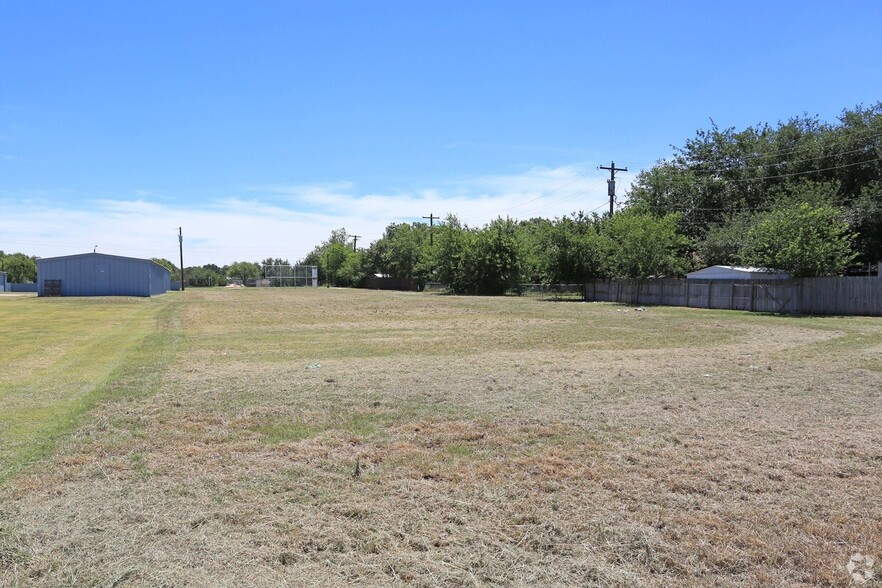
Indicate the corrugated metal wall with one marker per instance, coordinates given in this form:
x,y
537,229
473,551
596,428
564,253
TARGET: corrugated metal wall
x,y
99,274
160,279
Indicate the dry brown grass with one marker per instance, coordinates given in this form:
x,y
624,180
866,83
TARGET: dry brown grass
x,y
448,441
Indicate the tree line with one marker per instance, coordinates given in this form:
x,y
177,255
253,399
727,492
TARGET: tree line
x,y
216,275
505,253
802,196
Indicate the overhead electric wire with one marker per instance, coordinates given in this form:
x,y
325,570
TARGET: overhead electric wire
x,y
570,196
870,134
532,212
552,191
698,181
791,162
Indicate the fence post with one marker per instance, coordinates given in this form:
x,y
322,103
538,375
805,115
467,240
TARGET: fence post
x,y
688,287
710,289
752,297
732,296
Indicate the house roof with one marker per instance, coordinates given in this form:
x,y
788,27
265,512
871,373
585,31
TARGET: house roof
x,y
749,269
735,269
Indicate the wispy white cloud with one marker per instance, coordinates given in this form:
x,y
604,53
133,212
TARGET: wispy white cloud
x,y
283,220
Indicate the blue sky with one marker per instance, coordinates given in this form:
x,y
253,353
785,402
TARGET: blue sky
x,y
259,127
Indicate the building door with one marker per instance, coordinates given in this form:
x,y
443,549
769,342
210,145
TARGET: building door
x,y
102,279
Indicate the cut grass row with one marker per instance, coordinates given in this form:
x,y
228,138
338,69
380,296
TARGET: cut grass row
x,y
63,357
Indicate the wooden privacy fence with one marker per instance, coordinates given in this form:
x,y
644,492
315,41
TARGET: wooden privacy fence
x,y
834,295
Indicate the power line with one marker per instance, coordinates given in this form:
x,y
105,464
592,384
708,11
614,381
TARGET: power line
x,y
579,178
770,177
567,198
870,134
790,162
584,190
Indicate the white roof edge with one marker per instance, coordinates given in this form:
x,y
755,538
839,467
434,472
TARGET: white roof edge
x,y
738,268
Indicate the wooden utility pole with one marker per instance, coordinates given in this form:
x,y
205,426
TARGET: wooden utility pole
x,y
611,183
355,239
181,245
431,218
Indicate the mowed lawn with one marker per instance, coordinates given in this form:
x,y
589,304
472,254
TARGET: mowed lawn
x,y
58,358
282,437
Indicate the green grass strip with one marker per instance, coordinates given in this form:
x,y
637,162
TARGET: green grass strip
x,y
67,356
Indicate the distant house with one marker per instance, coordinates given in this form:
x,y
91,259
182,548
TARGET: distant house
x,y
732,272
99,274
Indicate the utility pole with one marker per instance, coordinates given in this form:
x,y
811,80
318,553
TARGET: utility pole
x,y
355,239
432,218
181,246
611,183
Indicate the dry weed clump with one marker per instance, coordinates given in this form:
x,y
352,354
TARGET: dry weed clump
x,y
707,449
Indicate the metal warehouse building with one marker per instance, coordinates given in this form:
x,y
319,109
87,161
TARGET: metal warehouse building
x,y
99,274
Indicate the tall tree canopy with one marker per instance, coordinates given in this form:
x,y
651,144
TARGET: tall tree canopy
x,y
19,267
244,270
722,174
171,267
804,240
338,264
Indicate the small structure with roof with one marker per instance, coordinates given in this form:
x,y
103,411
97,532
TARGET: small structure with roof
x,y
737,273
99,274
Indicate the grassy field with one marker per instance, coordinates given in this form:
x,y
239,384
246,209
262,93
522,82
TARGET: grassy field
x,y
59,358
337,437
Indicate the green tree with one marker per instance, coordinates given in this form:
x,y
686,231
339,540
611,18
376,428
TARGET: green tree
x,y
643,244
350,271
725,242
319,254
19,268
532,236
802,240
401,252
573,251
721,173
342,265
864,218
172,268
452,239
491,264
244,270
207,275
